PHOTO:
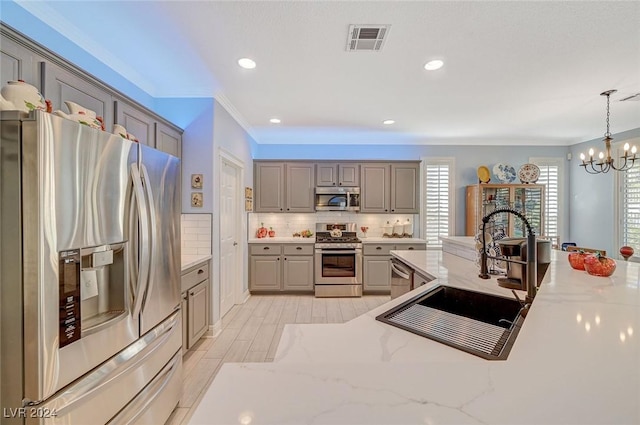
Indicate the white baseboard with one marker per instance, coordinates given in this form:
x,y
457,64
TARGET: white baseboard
x,y
245,296
215,329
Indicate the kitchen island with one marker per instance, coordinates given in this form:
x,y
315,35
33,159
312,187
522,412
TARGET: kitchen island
x,y
575,361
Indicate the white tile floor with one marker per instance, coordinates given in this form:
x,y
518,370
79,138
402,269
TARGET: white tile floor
x,y
251,333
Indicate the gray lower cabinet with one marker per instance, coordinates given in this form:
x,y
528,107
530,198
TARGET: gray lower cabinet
x,y
377,264
195,304
281,267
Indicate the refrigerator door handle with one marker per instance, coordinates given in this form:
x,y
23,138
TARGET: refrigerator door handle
x,y
154,231
144,243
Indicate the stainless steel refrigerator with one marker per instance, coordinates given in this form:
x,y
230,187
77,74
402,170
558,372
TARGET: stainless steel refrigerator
x,y
89,275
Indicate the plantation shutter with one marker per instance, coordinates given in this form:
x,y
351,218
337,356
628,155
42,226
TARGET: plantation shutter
x,y
437,202
549,176
630,220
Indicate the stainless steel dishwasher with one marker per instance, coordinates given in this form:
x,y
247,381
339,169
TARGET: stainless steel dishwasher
x,y
401,278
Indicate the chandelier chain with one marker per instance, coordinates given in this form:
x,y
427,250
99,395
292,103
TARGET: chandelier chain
x,y
607,134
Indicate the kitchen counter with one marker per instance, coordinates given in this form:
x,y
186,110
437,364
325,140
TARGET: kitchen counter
x,y
188,261
283,239
575,361
392,240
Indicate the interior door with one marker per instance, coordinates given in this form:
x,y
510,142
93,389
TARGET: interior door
x,y
229,235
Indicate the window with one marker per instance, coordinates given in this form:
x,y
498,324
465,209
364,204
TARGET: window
x,y
438,200
628,211
550,176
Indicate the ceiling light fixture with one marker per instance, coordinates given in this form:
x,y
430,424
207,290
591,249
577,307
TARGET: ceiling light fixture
x,y
603,163
246,63
388,122
433,65
275,121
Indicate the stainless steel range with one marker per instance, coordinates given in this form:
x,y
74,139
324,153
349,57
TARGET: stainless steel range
x,y
338,260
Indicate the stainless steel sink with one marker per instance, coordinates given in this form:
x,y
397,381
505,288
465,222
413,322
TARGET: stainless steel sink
x,y
477,323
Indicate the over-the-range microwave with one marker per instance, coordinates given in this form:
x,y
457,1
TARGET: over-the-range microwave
x,y
337,199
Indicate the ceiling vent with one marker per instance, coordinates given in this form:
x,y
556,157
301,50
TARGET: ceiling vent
x,y
367,37
633,97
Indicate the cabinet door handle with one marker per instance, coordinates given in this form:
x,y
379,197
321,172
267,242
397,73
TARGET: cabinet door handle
x,y
298,247
392,210
200,271
278,258
186,297
410,248
192,293
285,258
266,247
378,247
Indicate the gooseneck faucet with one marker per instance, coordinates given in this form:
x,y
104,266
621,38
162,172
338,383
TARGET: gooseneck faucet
x,y
531,252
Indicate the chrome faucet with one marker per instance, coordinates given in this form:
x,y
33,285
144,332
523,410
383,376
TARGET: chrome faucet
x,y
531,262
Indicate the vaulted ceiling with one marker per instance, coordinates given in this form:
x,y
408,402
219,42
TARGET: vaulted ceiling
x,y
515,72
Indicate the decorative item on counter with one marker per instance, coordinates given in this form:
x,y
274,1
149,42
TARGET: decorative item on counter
x,y
387,230
335,233
407,231
262,232
81,115
626,252
20,96
504,173
272,233
576,259
306,233
529,173
364,230
398,229
599,265
122,132
484,175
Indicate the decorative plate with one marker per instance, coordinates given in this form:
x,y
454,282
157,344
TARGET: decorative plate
x,y
504,173
529,173
484,175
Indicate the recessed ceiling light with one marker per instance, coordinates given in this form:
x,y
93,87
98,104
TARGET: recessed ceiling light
x,y
388,122
246,63
274,121
433,65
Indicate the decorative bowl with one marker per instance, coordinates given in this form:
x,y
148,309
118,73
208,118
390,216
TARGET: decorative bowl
x,y
576,260
599,265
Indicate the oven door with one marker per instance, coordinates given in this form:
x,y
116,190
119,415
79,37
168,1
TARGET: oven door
x,y
338,266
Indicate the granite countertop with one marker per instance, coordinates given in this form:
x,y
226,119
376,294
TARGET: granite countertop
x,y
283,239
575,361
188,261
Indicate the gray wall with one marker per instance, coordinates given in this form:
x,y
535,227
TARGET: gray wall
x,y
591,206
467,161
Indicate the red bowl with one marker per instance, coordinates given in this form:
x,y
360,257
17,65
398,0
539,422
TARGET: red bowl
x,y
576,260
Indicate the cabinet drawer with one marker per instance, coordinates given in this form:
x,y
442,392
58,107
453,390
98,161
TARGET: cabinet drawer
x,y
411,246
299,249
377,249
265,249
195,276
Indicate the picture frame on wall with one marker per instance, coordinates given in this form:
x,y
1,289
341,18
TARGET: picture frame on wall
x,y
196,181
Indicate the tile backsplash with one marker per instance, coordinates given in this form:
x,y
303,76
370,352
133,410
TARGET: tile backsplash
x,y
288,224
196,234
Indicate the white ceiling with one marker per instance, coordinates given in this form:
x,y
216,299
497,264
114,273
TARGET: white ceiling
x,y
515,72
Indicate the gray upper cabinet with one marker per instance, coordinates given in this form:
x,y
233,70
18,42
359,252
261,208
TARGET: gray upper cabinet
x,y
405,188
337,174
300,187
284,187
269,186
60,85
137,123
18,63
374,193
168,139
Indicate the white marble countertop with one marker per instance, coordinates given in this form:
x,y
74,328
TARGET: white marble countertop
x,y
575,361
392,240
188,261
283,239
466,241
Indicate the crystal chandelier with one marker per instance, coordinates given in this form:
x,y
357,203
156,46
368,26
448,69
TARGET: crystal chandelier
x,y
604,162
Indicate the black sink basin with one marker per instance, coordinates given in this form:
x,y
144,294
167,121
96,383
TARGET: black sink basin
x,y
477,323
